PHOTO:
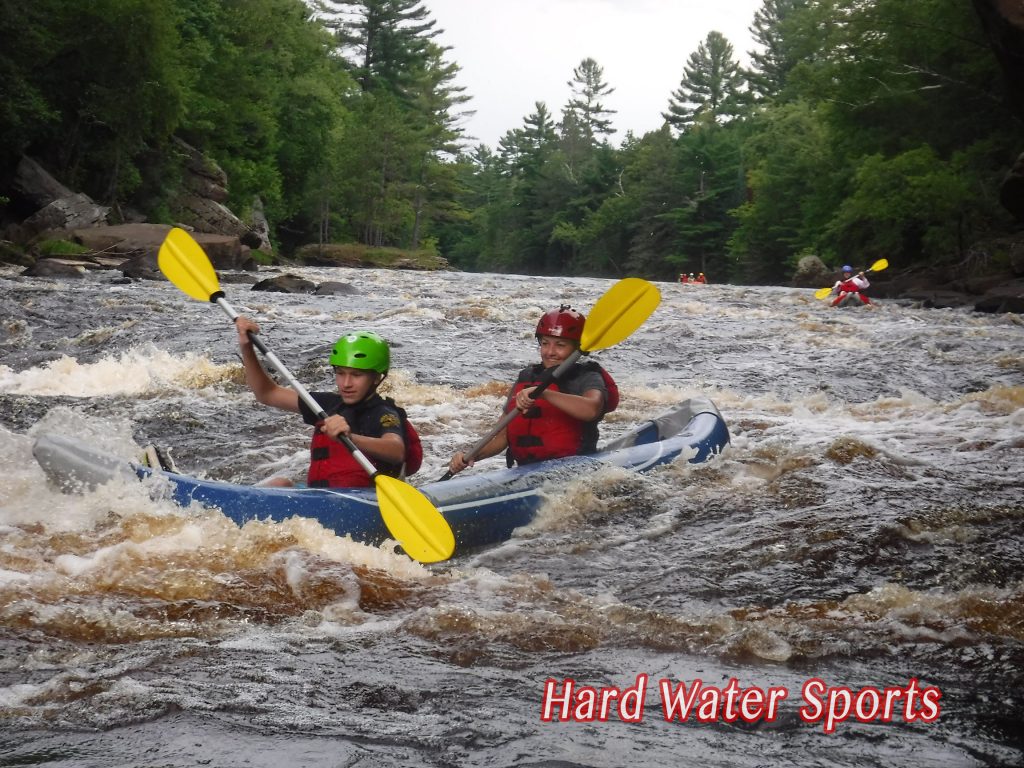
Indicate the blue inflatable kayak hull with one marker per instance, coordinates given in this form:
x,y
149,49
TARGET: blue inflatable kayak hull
x,y
482,508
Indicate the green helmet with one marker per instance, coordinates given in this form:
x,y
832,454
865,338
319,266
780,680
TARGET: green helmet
x,y
362,349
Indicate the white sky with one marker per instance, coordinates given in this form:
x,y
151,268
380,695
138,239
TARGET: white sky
x,y
513,53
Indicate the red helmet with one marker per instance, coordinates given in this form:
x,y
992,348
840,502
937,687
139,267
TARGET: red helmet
x,y
564,322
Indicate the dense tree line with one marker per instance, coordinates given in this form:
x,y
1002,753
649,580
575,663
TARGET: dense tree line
x,y
861,129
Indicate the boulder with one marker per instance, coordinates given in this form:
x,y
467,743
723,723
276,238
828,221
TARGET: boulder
x,y
122,238
38,187
71,212
335,288
285,283
260,230
55,268
811,272
202,173
237,278
938,298
1007,297
201,205
142,266
995,302
133,241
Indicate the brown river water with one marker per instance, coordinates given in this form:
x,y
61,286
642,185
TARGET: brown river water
x,y
861,540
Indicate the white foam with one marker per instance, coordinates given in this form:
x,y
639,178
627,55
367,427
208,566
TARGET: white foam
x,y
133,372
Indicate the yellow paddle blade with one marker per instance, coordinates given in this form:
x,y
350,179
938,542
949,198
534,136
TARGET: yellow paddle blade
x,y
623,308
185,264
878,266
821,293
414,522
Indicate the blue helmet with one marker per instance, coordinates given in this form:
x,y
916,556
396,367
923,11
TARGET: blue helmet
x,y
847,268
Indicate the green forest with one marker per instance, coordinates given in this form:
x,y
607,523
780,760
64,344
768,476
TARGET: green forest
x,y
861,129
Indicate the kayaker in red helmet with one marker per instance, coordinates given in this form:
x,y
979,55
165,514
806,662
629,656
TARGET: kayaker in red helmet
x,y
563,420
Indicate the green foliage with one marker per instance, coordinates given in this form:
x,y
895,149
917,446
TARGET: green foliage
x,y
88,96
864,128
60,248
358,255
912,204
791,192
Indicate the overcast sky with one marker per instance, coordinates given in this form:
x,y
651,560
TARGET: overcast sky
x,y
513,53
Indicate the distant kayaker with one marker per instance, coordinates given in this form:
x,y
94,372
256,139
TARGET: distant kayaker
x,y
563,420
850,284
376,425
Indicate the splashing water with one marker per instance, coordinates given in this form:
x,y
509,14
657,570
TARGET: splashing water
x,y
864,528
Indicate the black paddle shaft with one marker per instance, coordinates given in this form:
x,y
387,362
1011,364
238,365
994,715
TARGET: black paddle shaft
x,y
547,378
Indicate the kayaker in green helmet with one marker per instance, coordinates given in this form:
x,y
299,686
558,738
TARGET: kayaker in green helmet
x,y
376,425
563,420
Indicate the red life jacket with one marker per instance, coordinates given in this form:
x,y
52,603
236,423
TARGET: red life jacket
x,y
545,431
413,446
331,464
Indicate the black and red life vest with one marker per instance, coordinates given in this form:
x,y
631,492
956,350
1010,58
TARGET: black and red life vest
x,y
547,432
331,465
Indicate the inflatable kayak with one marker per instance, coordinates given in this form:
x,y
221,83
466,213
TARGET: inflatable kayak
x,y
482,508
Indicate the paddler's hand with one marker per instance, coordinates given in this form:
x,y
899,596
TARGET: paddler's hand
x,y
334,426
523,400
245,326
459,463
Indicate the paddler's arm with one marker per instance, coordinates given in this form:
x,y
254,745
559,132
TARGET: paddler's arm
x,y
585,407
494,446
389,447
266,390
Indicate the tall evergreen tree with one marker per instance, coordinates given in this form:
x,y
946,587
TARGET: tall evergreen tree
x,y
385,41
434,187
407,82
711,87
776,58
588,88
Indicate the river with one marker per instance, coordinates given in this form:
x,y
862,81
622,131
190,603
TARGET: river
x,y
864,529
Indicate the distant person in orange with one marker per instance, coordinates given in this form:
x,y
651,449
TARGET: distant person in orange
x,y
701,278
682,277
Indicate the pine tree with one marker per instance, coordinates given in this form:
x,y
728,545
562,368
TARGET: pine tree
x,y
711,88
383,40
772,65
405,82
588,88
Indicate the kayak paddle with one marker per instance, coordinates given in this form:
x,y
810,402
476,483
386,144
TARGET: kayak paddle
x,y
409,516
617,314
878,266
